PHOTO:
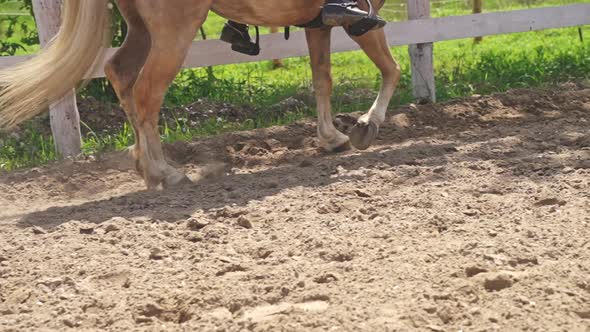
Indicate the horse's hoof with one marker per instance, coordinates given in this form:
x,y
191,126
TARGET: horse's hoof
x,y
342,147
364,134
176,180
337,147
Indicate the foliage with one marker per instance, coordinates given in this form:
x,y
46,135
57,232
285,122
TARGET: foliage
x,y
11,25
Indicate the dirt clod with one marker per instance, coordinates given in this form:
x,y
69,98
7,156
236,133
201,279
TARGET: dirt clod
x,y
435,328
264,253
196,224
245,222
362,193
474,270
87,229
38,230
584,314
326,278
498,281
157,254
445,314
112,228
194,237
401,121
550,201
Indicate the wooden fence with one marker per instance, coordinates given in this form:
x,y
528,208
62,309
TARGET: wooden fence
x,y
420,32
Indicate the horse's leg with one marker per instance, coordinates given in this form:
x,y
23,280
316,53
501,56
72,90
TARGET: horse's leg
x,y
375,46
124,67
276,63
172,29
318,41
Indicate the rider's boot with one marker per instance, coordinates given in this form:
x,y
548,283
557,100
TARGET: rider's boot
x,y
238,36
347,13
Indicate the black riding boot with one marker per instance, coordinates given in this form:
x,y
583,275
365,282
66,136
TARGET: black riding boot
x,y
237,35
347,13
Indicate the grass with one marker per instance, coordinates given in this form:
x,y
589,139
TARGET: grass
x,y
462,68
11,7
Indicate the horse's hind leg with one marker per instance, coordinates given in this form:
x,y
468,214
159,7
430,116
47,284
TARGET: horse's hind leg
x,y
172,29
276,63
318,41
375,46
124,67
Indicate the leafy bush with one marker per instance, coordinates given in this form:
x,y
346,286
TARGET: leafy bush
x,y
9,25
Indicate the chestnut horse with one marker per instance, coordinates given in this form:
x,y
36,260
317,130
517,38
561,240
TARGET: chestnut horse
x,y
159,37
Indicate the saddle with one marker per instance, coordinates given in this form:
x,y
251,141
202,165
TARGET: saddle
x,y
347,14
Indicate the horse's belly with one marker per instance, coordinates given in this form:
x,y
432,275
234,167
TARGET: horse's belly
x,y
269,12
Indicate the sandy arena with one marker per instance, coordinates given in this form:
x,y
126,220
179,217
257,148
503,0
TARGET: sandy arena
x,y
470,215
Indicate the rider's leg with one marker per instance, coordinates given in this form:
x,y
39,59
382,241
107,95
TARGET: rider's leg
x,y
347,13
238,36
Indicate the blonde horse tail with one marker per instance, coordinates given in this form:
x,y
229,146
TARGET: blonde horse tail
x,y
28,88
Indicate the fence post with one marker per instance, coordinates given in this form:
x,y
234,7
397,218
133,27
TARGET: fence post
x,y
477,9
63,114
421,56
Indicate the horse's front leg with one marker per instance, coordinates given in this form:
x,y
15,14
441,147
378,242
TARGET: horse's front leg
x,y
172,29
318,41
375,46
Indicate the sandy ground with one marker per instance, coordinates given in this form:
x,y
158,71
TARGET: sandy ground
x,y
471,215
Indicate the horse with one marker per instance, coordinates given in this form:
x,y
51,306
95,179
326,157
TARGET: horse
x,y
159,36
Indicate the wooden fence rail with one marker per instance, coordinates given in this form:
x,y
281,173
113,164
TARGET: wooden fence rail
x,y
418,31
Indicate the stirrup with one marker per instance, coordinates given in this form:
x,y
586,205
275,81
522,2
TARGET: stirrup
x,y
240,39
